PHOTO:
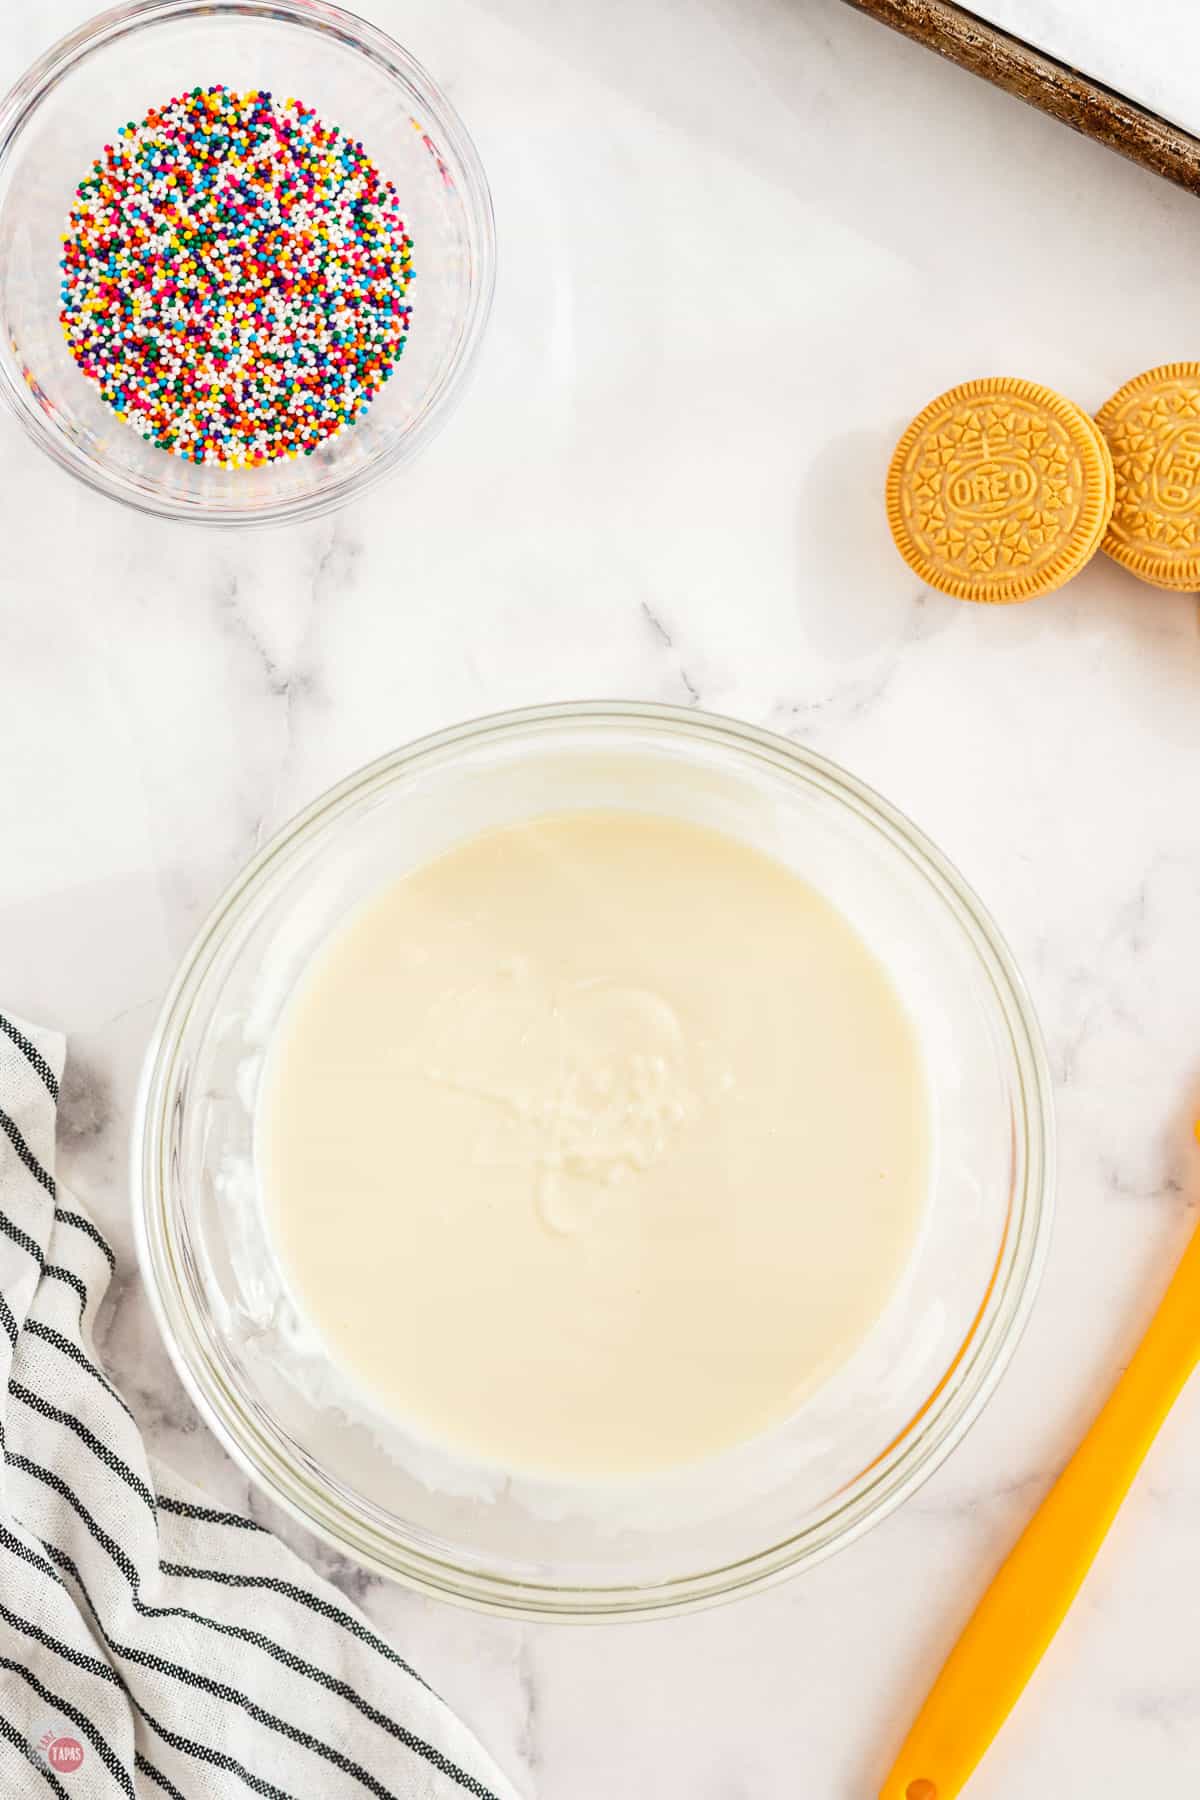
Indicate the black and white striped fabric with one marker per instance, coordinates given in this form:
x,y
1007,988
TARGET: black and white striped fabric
x,y
149,1644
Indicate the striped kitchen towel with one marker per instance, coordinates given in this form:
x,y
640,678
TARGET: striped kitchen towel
x,y
150,1644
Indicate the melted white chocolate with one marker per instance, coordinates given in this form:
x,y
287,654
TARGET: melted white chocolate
x,y
591,1146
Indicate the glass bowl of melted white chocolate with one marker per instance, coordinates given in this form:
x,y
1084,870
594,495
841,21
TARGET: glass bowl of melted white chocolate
x,y
594,1161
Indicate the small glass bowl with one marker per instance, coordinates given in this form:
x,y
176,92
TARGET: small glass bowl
x,y
113,69
856,1447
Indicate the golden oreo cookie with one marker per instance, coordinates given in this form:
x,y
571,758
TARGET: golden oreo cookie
x,y
1152,425
1000,490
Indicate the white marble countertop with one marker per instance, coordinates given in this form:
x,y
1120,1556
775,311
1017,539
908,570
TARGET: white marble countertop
x,y
742,241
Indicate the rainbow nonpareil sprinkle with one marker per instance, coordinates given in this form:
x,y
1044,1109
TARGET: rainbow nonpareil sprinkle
x,y
234,277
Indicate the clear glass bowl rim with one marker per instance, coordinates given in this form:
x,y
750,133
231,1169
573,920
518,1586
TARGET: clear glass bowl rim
x,y
18,106
936,1429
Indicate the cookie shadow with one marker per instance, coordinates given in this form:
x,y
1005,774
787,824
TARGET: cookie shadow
x,y
855,593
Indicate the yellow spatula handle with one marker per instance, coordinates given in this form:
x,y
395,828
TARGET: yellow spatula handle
x,y
1026,1603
